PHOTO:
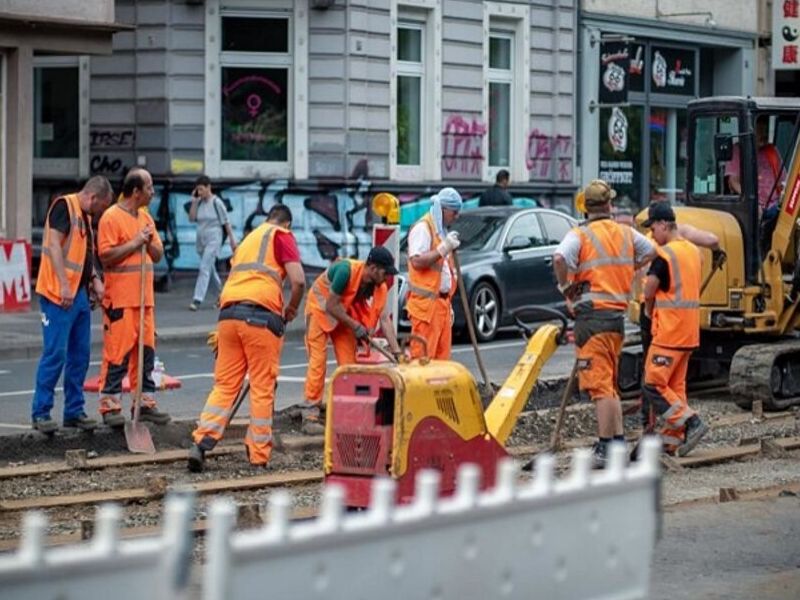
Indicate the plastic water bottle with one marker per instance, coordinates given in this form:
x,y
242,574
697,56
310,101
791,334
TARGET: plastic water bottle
x,y
158,373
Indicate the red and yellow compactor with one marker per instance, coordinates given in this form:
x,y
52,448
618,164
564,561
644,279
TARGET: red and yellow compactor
x,y
394,420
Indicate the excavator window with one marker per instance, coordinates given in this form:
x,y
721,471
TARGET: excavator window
x,y
711,172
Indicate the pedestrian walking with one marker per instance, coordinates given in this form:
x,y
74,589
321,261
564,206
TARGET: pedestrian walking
x,y
122,232
250,336
211,215
432,275
345,305
497,195
594,265
672,298
67,285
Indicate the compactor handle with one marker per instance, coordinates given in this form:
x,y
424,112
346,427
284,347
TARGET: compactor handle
x,y
417,338
547,312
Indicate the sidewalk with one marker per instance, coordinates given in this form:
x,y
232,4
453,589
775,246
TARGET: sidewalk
x,y
176,325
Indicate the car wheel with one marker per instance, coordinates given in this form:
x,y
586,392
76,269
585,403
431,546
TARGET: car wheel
x,y
485,309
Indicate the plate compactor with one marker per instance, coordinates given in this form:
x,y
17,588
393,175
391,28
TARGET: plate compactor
x,y
394,420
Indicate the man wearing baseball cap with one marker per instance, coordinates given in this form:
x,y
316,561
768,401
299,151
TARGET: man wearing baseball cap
x,y
594,265
672,300
431,275
345,304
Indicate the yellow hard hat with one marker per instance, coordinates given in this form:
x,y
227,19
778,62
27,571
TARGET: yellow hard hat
x,y
580,202
387,206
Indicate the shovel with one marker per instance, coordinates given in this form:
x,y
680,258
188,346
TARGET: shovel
x,y
137,435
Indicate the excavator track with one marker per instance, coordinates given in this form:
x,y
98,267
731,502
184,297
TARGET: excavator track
x,y
766,372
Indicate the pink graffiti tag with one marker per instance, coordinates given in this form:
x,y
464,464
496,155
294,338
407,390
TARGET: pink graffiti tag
x,y
462,146
549,157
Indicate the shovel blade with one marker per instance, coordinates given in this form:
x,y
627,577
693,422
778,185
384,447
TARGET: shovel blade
x,y
138,437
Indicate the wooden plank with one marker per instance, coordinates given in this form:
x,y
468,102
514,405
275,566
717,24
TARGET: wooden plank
x,y
740,418
129,495
709,456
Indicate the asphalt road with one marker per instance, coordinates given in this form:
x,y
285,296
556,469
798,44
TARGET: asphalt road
x,y
194,366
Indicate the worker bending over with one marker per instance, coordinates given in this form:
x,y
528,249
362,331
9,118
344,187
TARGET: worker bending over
x,y
122,232
672,298
250,336
594,266
432,277
344,305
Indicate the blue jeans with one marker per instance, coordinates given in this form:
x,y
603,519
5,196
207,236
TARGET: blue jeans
x,y
67,343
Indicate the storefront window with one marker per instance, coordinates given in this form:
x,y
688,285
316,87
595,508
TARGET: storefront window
x,y
620,152
56,112
709,172
668,154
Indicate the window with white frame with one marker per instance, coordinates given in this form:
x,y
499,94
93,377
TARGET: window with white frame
x,y
60,116
410,92
256,88
501,69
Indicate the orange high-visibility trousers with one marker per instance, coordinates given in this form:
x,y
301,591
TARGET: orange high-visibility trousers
x,y
242,349
438,332
665,389
598,362
344,348
120,355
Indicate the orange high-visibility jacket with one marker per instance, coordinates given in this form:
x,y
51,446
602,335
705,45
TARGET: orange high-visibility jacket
x,y
73,247
256,276
117,226
605,262
365,313
424,284
676,314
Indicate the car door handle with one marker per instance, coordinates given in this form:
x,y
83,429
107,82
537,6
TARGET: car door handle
x,y
548,260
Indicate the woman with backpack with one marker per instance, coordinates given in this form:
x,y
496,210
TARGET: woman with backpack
x,y
211,215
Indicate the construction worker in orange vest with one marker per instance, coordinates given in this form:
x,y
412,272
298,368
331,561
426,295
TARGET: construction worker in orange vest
x,y
345,304
594,265
122,232
67,285
252,318
432,276
672,297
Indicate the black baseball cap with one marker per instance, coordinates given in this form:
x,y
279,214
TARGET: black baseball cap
x,y
659,211
383,258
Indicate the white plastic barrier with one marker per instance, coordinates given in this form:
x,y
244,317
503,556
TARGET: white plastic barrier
x,y
590,535
106,567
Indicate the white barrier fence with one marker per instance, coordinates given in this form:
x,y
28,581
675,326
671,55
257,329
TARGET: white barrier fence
x,y
589,535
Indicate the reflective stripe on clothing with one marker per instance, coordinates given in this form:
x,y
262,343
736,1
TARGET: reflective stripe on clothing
x,y
425,284
73,251
676,313
665,389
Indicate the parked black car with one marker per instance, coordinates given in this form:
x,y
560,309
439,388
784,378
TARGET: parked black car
x,y
506,258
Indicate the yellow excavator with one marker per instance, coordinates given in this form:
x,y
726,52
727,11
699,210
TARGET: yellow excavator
x,y
750,308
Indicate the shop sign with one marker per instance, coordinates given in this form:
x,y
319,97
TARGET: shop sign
x,y
618,130
785,34
614,58
672,71
616,172
636,68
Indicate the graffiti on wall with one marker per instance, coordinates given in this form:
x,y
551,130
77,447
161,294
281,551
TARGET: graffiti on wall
x,y
462,147
15,275
111,150
549,157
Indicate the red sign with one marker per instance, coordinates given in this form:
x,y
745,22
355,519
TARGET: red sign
x,y
15,275
792,203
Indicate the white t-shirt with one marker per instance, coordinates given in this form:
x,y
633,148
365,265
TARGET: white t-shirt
x,y
419,242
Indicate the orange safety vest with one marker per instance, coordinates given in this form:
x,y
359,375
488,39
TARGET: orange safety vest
x,y
605,263
256,276
73,247
676,314
366,313
424,284
122,280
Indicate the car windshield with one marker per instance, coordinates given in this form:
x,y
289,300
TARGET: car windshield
x,y
478,232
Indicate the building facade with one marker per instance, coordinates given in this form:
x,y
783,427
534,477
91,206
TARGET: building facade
x,y
670,51
319,104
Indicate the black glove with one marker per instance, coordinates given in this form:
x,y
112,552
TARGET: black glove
x,y
718,257
361,332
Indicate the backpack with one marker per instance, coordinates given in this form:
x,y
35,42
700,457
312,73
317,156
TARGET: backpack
x,y
229,208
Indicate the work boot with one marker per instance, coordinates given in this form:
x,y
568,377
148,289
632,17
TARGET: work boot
x,y
113,418
599,455
312,420
81,422
152,414
695,430
197,459
45,425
